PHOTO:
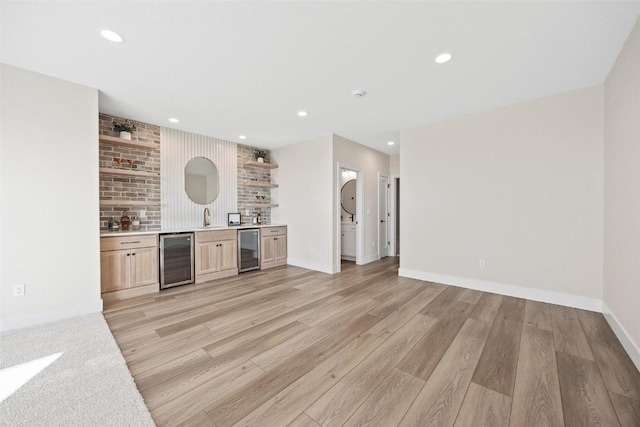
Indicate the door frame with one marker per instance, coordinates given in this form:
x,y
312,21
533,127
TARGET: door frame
x,y
382,175
393,219
359,216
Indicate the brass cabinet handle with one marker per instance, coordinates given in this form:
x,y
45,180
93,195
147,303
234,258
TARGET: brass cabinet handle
x,y
129,243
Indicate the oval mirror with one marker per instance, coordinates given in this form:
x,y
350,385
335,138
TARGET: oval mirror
x,y
348,196
201,180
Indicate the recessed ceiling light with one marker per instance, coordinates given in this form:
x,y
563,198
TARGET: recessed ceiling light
x,y
390,143
359,93
174,120
242,137
443,57
302,113
112,36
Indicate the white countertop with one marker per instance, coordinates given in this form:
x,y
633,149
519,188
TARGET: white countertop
x,y
186,230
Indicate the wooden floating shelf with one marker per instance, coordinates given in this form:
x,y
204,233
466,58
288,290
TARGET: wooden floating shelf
x,y
262,185
126,203
127,172
113,140
262,205
260,165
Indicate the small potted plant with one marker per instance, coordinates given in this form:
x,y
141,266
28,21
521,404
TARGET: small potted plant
x,y
125,129
260,155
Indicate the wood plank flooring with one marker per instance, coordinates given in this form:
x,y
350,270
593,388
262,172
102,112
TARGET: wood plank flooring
x,y
293,347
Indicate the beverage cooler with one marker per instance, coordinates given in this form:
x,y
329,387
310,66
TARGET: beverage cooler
x,y
248,249
176,259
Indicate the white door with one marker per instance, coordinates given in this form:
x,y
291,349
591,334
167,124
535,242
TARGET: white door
x,y
383,216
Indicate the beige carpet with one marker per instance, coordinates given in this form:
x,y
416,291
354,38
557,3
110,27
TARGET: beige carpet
x,y
75,376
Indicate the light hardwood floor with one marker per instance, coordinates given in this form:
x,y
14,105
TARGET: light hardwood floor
x,y
292,347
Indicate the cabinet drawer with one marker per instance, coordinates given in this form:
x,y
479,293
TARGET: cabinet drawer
x,y
273,231
128,242
216,235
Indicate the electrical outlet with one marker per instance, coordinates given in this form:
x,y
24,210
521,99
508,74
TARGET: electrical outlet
x,y
18,290
143,213
482,263
373,244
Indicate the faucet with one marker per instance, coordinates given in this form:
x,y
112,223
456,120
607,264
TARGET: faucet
x,y
207,217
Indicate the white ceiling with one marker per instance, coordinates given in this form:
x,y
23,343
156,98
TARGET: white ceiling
x,y
231,68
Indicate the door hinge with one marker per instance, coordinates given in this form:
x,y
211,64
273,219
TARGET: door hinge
x,y
388,213
388,185
388,242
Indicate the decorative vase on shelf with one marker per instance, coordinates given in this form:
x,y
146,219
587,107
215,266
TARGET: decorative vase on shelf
x,y
125,135
260,159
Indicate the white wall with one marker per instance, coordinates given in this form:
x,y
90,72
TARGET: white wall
x,y
394,165
49,211
1,197
520,187
305,198
177,148
622,195
350,154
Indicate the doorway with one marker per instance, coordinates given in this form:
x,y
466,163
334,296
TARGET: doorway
x,y
349,216
397,215
394,217
383,216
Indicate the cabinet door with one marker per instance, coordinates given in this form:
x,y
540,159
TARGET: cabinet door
x,y
281,247
267,250
348,241
207,254
115,269
144,266
228,255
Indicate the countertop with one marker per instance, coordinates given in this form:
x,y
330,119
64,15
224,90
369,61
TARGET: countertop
x,y
185,230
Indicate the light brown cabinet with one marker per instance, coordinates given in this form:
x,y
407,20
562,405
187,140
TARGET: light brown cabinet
x,y
273,247
216,254
115,268
128,266
144,266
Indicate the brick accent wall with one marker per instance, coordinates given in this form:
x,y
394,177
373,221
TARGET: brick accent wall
x,y
145,189
247,194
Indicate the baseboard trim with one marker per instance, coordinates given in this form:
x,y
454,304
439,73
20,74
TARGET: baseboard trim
x,y
310,265
560,298
123,294
632,349
370,258
25,321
